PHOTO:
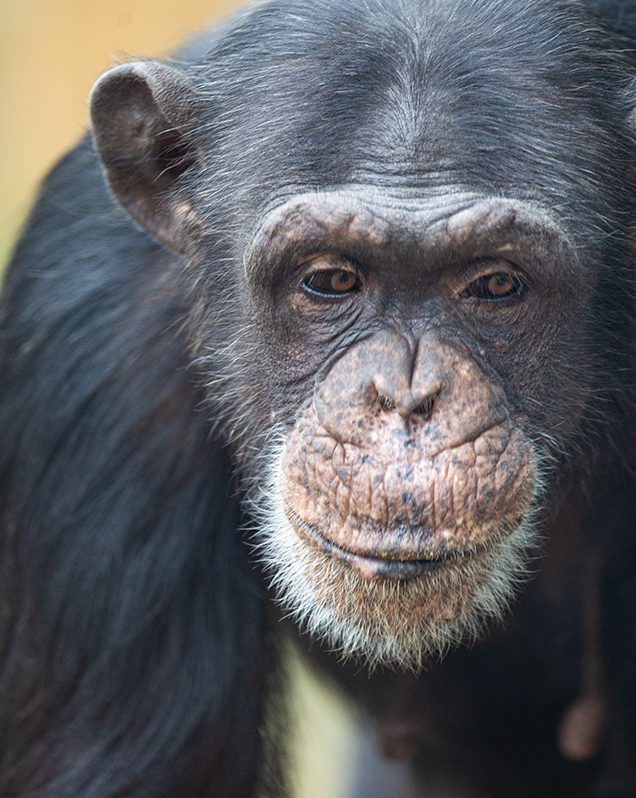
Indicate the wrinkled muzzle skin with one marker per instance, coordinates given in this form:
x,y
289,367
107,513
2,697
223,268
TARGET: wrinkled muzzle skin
x,y
401,502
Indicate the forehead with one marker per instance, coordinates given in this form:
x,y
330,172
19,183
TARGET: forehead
x,y
483,94
498,96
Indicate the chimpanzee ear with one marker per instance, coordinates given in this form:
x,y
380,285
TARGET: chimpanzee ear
x,y
142,116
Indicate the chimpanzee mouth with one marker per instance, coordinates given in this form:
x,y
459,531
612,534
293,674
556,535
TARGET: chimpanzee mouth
x,y
387,565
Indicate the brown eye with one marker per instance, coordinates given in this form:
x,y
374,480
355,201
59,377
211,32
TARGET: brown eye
x,y
332,282
500,285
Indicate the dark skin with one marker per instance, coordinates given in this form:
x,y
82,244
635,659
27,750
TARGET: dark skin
x,y
376,318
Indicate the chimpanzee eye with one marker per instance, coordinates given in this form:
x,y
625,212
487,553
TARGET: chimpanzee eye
x,y
332,282
499,285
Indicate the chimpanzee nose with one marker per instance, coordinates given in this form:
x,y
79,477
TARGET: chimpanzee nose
x,y
389,373
409,382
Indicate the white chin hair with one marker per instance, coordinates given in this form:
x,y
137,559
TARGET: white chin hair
x,y
385,622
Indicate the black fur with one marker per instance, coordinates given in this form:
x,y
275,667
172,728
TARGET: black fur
x,y
135,639
123,574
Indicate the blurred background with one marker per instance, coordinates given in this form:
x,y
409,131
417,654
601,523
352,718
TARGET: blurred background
x,y
51,51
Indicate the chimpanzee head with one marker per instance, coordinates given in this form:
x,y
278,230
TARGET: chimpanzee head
x,y
397,215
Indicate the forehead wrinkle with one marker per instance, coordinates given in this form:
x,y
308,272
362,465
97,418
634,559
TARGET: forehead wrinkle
x,y
323,221
318,221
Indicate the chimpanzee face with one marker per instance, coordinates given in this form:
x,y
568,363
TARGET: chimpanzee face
x,y
392,305
403,481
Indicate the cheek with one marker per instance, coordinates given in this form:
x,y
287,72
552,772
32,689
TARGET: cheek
x,y
550,381
300,341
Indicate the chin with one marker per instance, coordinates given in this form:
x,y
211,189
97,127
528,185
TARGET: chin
x,y
382,610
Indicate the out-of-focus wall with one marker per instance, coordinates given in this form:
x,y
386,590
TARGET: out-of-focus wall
x,y
51,51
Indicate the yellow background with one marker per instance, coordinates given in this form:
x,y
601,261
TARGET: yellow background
x,y
51,51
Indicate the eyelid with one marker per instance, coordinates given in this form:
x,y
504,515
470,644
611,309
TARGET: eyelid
x,y
327,262
468,272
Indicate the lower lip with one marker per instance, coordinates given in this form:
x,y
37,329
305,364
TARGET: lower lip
x,y
395,570
374,567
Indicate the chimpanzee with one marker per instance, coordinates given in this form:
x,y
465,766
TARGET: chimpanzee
x,y
368,352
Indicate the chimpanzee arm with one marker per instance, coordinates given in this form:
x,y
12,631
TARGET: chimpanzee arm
x,y
134,622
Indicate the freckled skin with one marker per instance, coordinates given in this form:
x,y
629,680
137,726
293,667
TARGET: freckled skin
x,y
407,487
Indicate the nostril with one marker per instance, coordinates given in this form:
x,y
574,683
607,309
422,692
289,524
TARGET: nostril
x,y
408,406
424,408
386,403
